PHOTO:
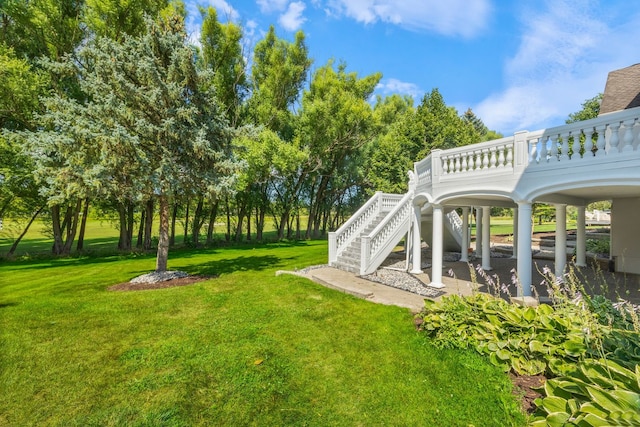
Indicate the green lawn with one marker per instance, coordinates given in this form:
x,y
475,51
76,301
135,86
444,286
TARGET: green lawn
x,y
245,348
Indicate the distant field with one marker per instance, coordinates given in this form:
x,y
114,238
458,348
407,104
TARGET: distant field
x,y
102,235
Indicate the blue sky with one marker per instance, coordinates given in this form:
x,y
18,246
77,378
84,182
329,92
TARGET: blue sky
x,y
520,65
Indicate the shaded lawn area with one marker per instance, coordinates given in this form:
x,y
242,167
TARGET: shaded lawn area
x,y
245,348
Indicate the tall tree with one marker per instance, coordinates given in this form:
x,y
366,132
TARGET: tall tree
x,y
336,121
278,74
152,127
117,18
222,53
481,129
590,110
441,126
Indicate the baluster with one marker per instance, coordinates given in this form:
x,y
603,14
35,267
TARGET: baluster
x,y
493,159
615,138
555,147
601,142
564,149
533,152
628,135
509,163
478,154
588,143
485,159
464,162
544,153
445,165
457,164
501,156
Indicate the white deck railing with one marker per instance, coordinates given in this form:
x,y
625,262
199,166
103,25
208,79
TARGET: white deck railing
x,y
340,239
613,134
375,246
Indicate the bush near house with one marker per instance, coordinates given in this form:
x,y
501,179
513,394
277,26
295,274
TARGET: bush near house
x,y
587,347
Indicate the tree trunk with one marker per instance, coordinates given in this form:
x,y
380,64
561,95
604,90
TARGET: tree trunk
x,y
148,224
185,238
83,226
73,215
248,225
57,230
174,215
260,214
141,229
198,221
163,235
130,222
241,215
123,245
213,213
228,234
17,241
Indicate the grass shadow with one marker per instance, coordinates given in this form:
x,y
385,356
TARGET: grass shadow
x,y
236,264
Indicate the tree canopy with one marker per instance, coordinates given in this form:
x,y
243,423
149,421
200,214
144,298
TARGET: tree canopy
x,y
109,105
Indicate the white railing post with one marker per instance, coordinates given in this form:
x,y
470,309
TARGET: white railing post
x,y
333,247
365,251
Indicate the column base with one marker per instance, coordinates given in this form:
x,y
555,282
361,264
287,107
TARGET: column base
x,y
436,285
525,301
416,272
489,268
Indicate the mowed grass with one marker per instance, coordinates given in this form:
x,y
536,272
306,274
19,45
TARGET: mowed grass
x,y
244,348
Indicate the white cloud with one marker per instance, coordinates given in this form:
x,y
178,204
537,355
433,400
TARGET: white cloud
x,y
267,6
464,18
388,86
565,53
292,19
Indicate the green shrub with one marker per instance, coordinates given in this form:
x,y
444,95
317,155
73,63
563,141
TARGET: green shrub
x,y
598,246
588,346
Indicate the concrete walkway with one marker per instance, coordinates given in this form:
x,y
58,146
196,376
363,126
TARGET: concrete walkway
x,y
382,294
595,280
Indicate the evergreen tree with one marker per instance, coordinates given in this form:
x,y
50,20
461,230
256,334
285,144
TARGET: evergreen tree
x,y
151,126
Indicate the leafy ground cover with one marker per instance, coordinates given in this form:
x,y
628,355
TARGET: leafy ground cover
x,y
588,347
242,348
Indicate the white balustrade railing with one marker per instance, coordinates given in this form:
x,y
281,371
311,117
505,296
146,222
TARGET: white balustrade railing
x,y
496,154
394,225
340,239
612,134
455,221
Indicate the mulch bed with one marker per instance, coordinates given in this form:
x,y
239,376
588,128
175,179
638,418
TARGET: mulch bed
x,y
185,281
524,386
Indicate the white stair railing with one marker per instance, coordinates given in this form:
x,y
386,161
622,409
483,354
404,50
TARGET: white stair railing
x,y
455,225
340,239
379,243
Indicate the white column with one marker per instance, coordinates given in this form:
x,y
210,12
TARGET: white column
x,y
523,266
436,248
561,239
478,232
514,254
581,238
464,246
416,241
486,238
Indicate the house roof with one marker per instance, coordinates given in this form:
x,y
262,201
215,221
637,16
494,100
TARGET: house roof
x,y
622,90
